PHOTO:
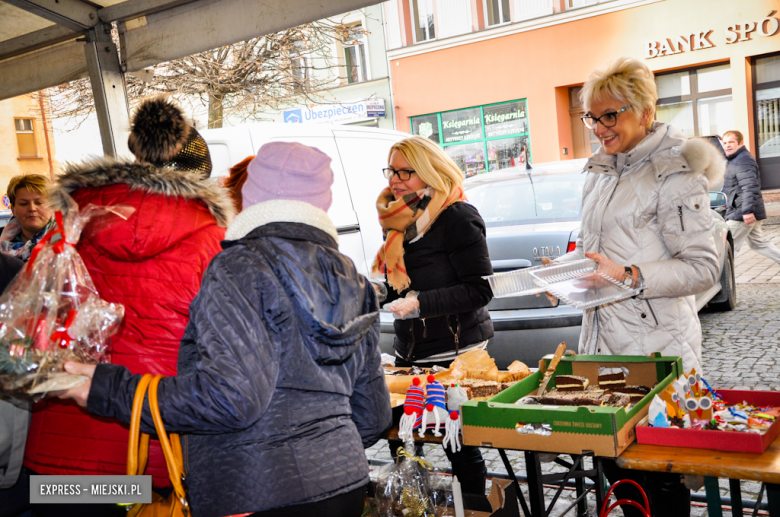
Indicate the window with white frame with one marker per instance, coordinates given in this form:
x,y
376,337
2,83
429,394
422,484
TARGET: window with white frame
x,y
453,17
25,137
422,18
497,12
299,66
354,42
581,3
527,9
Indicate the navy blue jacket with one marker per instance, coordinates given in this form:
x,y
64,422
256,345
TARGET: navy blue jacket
x,y
279,385
742,186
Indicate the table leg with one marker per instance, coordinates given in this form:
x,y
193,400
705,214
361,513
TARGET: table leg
x,y
714,508
533,469
601,492
736,496
582,504
511,472
773,496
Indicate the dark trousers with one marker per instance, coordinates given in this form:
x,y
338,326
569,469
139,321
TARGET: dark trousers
x,y
667,494
467,463
15,501
344,505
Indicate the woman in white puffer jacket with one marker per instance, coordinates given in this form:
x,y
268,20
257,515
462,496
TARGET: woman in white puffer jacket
x,y
645,216
646,220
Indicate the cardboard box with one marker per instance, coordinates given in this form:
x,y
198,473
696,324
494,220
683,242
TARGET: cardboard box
x,y
718,440
606,431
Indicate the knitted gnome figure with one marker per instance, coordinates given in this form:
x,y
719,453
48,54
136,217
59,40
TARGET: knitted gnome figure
x,y
435,414
413,410
455,397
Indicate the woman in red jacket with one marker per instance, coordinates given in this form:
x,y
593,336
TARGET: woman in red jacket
x,y
152,264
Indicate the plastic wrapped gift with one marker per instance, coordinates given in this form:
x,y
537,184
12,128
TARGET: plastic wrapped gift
x,y
52,314
404,489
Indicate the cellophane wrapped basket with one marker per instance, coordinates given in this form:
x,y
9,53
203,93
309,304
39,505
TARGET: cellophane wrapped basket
x,y
52,314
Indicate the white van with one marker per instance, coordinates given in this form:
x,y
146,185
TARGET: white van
x,y
359,154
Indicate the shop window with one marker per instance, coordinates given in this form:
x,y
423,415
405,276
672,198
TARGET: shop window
x,y
354,43
497,12
698,102
766,87
480,139
427,126
25,138
461,125
422,18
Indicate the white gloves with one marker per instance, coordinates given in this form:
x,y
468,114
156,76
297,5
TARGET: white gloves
x,y
405,308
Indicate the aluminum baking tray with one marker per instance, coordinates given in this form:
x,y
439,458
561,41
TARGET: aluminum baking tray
x,y
579,285
516,283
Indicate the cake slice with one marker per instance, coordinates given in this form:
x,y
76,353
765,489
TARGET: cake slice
x,y
570,383
636,393
612,380
479,388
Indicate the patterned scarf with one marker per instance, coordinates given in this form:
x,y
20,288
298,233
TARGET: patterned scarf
x,y
18,249
406,220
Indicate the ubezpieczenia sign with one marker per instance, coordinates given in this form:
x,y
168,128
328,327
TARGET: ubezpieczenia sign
x,y
336,113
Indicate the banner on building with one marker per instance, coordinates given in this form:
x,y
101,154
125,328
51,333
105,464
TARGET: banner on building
x,y
343,113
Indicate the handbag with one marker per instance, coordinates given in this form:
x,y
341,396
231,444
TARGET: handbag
x,y
621,502
138,455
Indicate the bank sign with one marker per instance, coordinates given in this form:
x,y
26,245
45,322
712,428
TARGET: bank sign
x,y
736,33
343,113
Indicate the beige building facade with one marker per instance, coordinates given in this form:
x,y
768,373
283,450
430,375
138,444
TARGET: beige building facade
x,y
26,141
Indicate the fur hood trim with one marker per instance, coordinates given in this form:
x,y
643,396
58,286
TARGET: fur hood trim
x,y
670,152
280,211
166,181
701,155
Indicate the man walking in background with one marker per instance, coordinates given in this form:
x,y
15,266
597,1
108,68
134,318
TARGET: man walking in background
x,y
745,210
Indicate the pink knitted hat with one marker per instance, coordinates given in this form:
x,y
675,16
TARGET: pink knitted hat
x,y
289,170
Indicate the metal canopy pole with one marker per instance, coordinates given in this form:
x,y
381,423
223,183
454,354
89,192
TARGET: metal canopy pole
x,y
109,90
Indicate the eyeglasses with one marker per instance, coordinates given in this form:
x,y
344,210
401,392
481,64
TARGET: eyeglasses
x,y
607,119
403,174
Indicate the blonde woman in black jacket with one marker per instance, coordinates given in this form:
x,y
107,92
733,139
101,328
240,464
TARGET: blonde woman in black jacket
x,y
433,259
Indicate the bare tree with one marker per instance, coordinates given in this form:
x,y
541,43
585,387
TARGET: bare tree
x,y
239,80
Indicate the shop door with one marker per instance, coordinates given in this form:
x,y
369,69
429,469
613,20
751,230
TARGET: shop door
x,y
584,140
767,109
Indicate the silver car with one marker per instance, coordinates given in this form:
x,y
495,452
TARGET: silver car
x,y
530,214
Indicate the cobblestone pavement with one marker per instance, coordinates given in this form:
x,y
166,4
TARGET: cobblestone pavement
x,y
754,268
741,350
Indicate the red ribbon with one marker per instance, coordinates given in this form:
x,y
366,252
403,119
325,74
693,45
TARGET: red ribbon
x,y
58,246
61,336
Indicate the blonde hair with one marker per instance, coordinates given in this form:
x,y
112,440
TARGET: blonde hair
x,y
32,182
430,162
627,80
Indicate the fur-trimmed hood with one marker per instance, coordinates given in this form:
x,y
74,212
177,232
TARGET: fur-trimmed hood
x,y
670,152
172,207
166,181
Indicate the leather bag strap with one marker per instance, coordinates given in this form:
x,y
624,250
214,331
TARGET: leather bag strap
x,y
171,447
138,457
